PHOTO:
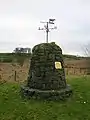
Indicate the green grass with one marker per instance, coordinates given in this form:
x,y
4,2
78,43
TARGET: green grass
x,y
13,107
10,57
14,57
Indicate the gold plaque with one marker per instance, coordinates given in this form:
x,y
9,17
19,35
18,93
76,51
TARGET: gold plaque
x,y
58,65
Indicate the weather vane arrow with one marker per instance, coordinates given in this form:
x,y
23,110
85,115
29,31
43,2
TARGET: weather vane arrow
x,y
46,27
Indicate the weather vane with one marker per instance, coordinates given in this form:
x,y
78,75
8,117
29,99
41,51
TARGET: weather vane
x,y
46,27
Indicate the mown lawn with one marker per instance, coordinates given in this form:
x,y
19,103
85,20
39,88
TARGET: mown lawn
x,y
13,107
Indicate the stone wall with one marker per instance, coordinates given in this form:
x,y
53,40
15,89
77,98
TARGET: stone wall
x,y
46,77
42,68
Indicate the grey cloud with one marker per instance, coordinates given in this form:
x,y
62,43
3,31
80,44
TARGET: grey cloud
x,y
19,22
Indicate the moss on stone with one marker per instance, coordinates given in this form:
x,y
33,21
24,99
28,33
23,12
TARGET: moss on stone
x,y
43,75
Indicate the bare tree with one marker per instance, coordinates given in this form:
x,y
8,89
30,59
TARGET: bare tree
x,y
86,50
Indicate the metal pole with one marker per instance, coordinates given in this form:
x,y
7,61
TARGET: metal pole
x,y
47,33
46,27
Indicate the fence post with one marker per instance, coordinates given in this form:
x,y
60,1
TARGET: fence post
x,y
15,76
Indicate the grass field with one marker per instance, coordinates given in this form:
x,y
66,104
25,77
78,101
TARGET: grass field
x,y
13,107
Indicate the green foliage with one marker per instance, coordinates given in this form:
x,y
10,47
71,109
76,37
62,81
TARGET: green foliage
x,y
10,57
14,57
13,107
73,57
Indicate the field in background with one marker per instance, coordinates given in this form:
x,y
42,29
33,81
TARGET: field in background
x,y
77,67
14,67
14,71
13,107
13,57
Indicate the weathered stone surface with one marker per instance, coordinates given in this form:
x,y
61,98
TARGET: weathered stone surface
x,y
46,94
43,75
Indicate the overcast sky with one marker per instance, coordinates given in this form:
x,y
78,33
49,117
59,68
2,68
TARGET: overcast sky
x,y
20,19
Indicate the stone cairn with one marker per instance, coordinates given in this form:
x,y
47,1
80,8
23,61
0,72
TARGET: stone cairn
x,y
46,78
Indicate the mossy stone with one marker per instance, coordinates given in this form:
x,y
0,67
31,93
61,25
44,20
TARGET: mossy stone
x,y
43,75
